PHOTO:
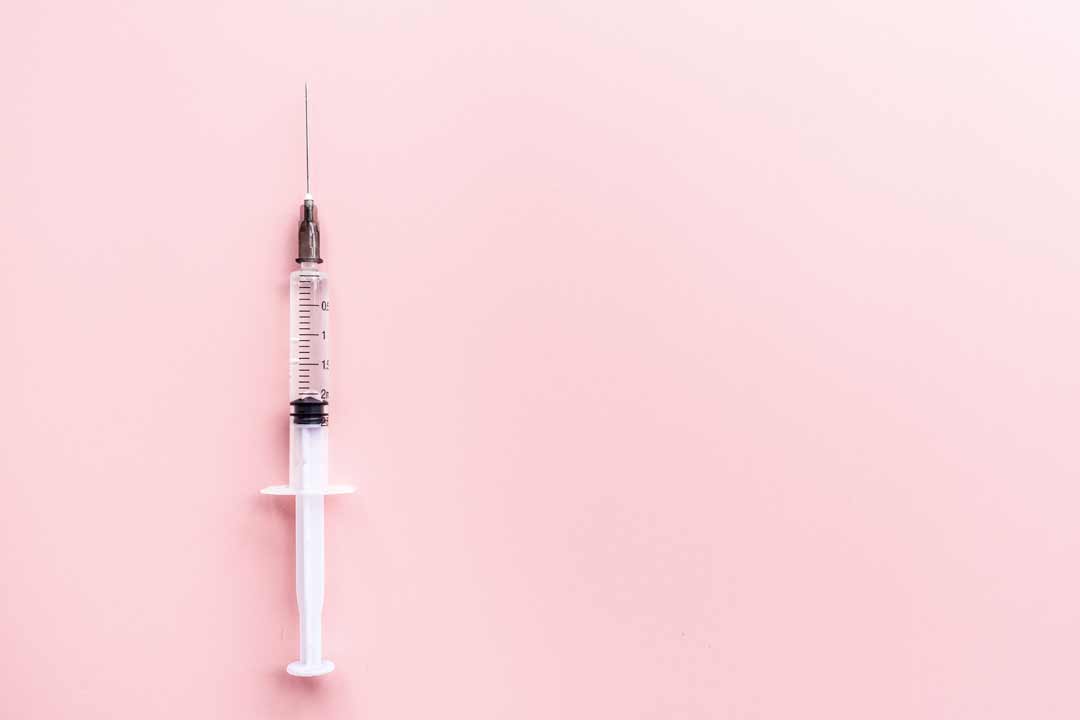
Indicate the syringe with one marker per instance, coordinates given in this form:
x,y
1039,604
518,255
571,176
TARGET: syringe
x,y
309,396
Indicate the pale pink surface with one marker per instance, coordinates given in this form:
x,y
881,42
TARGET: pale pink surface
x,y
697,361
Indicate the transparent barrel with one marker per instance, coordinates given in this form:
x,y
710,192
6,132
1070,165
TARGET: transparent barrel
x,y
309,325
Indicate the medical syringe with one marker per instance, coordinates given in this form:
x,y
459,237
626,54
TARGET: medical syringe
x,y
309,397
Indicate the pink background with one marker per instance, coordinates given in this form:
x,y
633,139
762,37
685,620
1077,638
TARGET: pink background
x,y
695,360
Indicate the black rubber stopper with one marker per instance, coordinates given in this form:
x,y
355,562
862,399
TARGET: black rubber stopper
x,y
309,411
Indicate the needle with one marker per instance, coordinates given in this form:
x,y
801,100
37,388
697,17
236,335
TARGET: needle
x,y
308,245
307,147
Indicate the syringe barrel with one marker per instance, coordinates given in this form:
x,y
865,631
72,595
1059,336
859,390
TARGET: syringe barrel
x,y
309,376
309,334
